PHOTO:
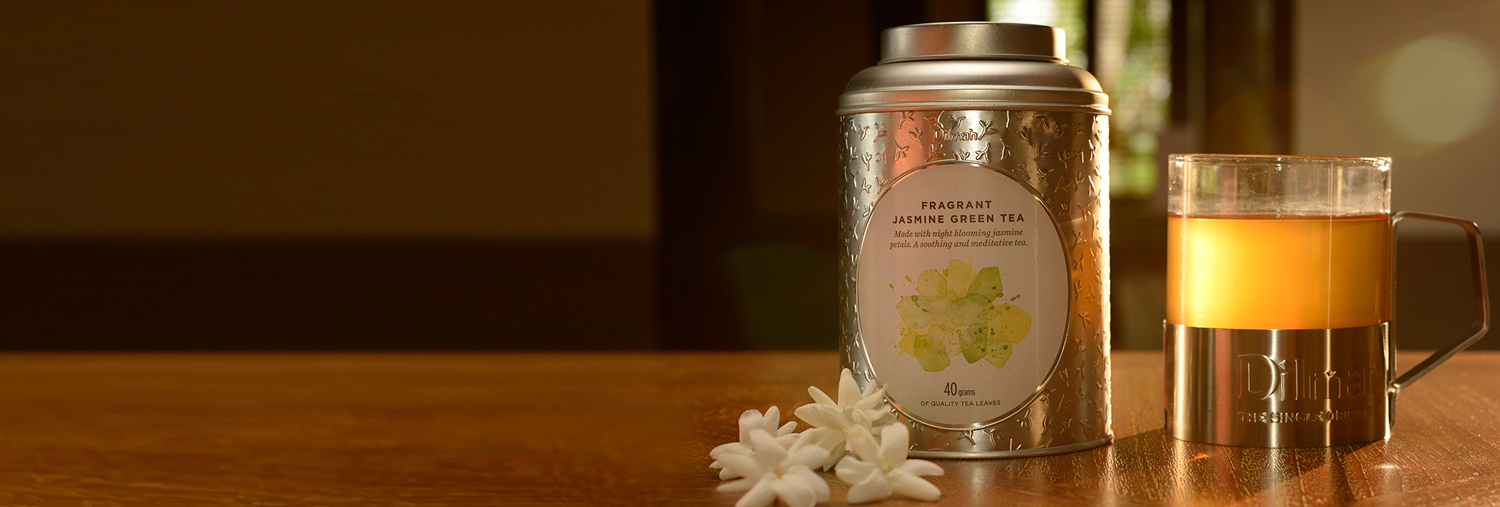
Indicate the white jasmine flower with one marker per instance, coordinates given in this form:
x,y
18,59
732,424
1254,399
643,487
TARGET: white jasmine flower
x,y
877,470
752,420
776,473
831,420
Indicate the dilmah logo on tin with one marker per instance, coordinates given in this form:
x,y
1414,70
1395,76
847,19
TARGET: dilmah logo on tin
x,y
949,132
1262,378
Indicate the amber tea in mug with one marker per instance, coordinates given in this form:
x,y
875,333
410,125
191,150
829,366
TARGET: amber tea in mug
x,y
1270,271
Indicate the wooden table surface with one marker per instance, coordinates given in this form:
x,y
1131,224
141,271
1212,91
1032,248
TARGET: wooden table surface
x,y
624,429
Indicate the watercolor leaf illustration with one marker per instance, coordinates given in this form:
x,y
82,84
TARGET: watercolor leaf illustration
x,y
954,312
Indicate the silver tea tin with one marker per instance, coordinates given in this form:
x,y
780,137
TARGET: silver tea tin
x,y
975,224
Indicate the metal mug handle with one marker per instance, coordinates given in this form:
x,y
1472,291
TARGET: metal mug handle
x,y
1481,298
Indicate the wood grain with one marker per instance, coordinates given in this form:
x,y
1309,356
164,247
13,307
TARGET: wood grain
x,y
624,429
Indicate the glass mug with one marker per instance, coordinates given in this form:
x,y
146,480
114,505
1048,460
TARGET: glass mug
x,y
1279,300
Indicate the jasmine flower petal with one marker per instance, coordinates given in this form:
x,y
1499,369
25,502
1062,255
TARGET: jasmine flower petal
x,y
848,390
767,452
861,442
758,496
794,492
871,400
819,396
893,442
809,456
749,421
741,466
874,487
853,471
920,467
738,485
913,486
812,479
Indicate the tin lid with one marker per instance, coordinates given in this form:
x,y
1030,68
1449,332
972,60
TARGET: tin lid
x,y
973,65
969,40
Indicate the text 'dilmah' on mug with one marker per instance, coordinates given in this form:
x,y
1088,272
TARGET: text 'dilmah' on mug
x,y
1279,300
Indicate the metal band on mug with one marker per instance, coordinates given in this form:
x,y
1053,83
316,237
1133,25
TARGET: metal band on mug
x,y
1278,388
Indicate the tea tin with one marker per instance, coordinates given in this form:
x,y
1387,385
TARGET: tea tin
x,y
975,252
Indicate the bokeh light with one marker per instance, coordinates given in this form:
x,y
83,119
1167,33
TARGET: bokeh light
x,y
1437,90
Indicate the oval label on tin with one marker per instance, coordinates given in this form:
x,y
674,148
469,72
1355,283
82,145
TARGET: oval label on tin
x,y
962,294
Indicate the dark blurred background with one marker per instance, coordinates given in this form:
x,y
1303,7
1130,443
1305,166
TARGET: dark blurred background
x,y
628,174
